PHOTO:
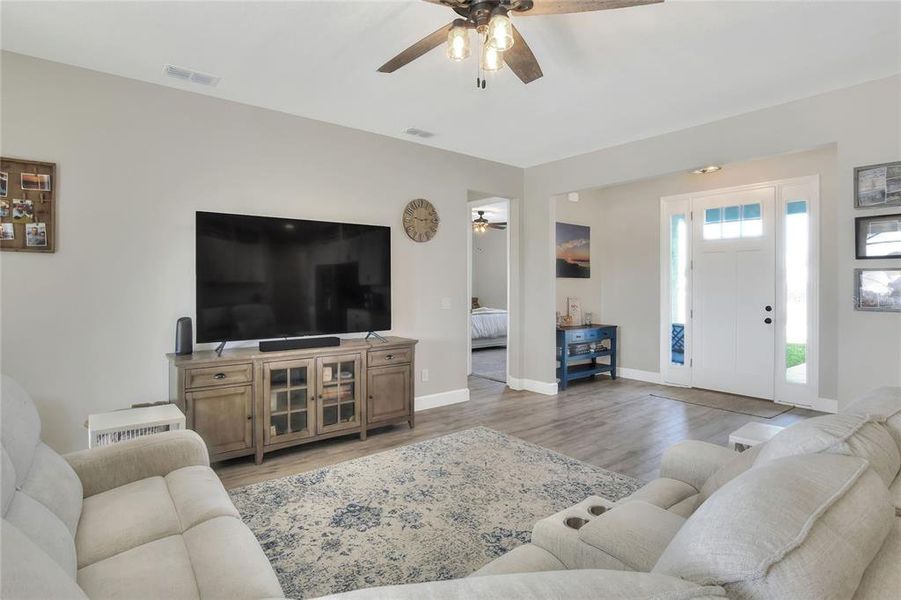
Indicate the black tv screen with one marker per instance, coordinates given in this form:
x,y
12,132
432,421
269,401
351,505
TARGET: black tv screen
x,y
266,277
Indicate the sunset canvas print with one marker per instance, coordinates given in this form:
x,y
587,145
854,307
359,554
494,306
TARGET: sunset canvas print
x,y
573,251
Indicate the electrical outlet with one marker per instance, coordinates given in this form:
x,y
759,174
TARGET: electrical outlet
x,y
425,374
445,303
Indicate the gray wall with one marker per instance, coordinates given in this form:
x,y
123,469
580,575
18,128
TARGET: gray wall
x,y
627,218
864,123
489,268
86,329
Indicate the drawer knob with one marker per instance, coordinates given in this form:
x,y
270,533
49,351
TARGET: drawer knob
x,y
219,376
389,357
249,417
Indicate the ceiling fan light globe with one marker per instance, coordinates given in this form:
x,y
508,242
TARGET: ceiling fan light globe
x,y
492,59
500,32
458,43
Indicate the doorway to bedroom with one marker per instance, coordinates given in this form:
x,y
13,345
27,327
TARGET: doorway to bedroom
x,y
488,284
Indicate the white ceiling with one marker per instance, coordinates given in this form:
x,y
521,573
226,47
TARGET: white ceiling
x,y
610,77
495,209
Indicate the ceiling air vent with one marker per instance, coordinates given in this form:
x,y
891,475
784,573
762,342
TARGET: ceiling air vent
x,y
191,75
416,132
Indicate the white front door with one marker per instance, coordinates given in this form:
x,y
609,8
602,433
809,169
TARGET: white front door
x,y
734,292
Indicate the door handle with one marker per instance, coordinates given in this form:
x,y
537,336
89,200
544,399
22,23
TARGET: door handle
x,y
768,320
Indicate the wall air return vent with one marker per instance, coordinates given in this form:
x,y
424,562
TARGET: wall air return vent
x,y
191,75
417,132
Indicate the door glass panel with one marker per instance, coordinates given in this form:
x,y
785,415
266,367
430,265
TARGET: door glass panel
x,y
348,409
678,287
278,425
298,376
329,415
713,223
330,372
731,222
299,399
278,378
330,394
278,402
797,222
298,421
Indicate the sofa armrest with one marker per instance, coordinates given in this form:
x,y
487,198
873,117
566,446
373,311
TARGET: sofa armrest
x,y
693,462
635,533
108,467
548,585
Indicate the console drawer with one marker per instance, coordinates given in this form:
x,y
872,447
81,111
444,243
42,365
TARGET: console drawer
x,y
379,358
218,376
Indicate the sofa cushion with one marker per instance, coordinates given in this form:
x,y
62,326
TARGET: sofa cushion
x,y
527,558
662,492
800,527
7,480
552,534
729,471
198,495
553,585
28,573
157,569
228,562
123,518
882,579
851,435
20,426
636,533
53,483
882,405
44,529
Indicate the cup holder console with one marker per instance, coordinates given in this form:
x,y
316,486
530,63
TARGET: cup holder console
x,y
575,522
597,510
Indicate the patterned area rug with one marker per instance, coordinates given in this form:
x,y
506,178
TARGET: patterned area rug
x,y
437,509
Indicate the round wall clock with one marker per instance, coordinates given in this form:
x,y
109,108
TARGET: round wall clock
x,y
420,220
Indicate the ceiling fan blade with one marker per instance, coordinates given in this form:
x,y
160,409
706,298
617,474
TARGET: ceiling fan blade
x,y
501,226
521,60
429,42
561,7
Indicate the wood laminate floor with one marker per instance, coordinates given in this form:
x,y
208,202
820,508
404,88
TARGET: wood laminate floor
x,y
617,425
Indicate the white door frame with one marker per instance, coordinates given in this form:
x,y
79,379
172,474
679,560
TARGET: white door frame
x,y
510,322
807,394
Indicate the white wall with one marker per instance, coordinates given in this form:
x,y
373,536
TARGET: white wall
x,y
86,329
864,123
587,290
628,288
489,268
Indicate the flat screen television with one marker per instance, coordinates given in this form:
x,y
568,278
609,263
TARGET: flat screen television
x,y
268,277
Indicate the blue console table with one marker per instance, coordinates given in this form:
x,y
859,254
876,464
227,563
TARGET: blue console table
x,y
575,337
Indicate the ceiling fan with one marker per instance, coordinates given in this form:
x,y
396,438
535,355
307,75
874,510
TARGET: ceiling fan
x,y
480,224
500,42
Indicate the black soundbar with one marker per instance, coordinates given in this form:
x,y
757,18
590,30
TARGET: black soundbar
x,y
299,343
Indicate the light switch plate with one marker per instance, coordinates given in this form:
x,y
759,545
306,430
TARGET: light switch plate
x,y
425,375
445,303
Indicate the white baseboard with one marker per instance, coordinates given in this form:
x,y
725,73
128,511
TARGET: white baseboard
x,y
639,375
440,399
531,385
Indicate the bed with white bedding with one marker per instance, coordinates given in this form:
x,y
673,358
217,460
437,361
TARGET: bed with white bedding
x,y
489,327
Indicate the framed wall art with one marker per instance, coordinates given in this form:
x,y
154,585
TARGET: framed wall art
x,y
877,186
877,290
28,192
573,251
878,236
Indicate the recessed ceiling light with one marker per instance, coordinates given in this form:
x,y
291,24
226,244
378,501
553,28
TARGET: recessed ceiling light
x,y
707,169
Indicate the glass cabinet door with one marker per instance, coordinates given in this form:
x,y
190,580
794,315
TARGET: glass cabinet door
x,y
339,392
289,400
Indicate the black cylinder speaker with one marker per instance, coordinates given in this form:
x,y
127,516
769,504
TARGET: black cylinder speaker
x,y
184,336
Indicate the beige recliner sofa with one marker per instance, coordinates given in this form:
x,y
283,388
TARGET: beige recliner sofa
x,y
146,518
815,513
